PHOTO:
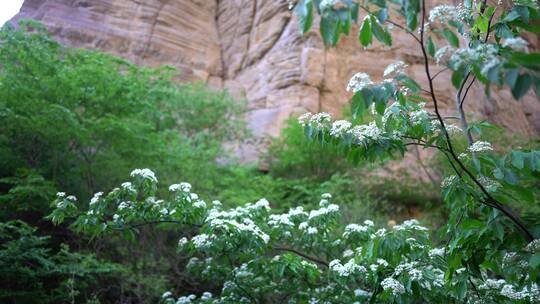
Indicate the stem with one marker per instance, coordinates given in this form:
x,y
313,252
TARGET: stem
x,y
305,256
399,26
491,201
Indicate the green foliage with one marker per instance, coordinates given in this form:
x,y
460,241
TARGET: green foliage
x,y
71,115
79,120
32,272
293,156
259,255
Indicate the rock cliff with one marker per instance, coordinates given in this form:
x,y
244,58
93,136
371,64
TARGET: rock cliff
x,y
253,49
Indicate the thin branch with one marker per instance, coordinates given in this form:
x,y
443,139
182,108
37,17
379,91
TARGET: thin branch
x,y
305,256
439,72
156,222
424,167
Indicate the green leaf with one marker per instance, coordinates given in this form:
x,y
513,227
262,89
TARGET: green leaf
x,y
470,224
380,33
451,37
365,34
304,11
511,77
358,104
431,47
408,82
534,261
522,86
457,78
330,30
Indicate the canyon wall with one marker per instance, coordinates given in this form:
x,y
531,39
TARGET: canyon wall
x,y
253,49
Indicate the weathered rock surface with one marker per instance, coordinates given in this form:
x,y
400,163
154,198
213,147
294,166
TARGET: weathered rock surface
x,y
253,49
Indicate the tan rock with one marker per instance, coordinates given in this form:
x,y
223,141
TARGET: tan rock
x,y
253,49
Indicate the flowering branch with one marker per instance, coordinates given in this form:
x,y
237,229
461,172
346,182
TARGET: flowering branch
x,y
493,202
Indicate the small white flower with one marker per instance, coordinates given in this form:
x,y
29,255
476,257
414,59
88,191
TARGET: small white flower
x,y
96,198
395,69
480,146
312,230
60,194
516,44
436,252
394,285
489,184
320,120
358,82
167,294
348,253
448,181
182,242
340,127
145,174
326,196
303,120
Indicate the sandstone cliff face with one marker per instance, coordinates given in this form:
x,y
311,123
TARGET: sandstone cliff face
x,y
253,49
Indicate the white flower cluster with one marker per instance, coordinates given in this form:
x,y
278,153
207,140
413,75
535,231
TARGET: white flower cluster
x,y
340,127
319,120
184,187
379,233
448,181
303,119
411,224
96,198
201,241
353,229
485,55
277,220
362,293
533,246
516,44
395,69
380,264
358,82
480,146
404,267
347,269
145,174
233,226
394,285
489,184
419,117
443,54
510,292
445,13
330,209
370,131
436,252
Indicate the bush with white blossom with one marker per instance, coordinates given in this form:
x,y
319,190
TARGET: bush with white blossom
x,y
485,254
258,255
